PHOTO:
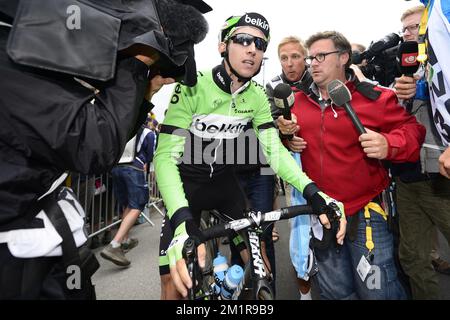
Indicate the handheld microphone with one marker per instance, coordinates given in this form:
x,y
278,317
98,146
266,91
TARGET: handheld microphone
x,y
407,63
283,97
407,58
340,96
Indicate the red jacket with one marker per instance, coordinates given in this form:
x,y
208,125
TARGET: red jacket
x,y
334,158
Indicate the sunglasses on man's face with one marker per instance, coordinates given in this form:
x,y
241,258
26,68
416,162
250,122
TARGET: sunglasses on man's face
x,y
246,39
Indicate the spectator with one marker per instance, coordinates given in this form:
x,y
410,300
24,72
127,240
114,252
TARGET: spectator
x,y
132,194
423,195
291,53
358,47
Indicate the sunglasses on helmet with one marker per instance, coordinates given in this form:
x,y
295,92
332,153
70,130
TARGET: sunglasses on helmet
x,y
246,39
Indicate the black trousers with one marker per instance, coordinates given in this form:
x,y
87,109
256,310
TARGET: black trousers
x,y
38,278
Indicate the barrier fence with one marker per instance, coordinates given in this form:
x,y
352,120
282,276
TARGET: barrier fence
x,y
95,193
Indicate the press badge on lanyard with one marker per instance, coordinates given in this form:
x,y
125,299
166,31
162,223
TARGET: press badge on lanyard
x,y
363,268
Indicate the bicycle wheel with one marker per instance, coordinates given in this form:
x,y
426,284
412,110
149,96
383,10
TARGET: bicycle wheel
x,y
211,252
211,245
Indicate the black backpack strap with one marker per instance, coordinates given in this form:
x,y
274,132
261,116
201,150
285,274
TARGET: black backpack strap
x,y
367,90
81,257
59,221
138,137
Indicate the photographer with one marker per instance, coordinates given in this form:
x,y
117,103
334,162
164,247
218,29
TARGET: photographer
x,y
51,123
378,61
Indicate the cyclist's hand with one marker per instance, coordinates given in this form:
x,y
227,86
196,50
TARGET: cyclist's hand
x,y
320,203
338,212
178,269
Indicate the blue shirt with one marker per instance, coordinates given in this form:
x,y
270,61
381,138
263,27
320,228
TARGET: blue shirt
x,y
145,148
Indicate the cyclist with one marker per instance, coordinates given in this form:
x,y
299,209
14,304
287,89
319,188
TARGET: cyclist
x,y
197,132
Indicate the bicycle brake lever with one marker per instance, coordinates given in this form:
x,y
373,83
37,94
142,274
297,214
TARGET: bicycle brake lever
x,y
189,254
335,223
189,250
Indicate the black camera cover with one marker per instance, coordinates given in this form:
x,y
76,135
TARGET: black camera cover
x,y
45,35
82,37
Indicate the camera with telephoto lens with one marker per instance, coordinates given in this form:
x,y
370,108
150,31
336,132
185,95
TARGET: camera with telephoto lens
x,y
380,60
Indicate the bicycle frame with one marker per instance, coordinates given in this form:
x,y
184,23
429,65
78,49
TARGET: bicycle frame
x,y
254,271
249,228
255,276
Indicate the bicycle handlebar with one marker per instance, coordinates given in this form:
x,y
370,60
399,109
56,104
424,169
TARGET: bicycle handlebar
x,y
255,219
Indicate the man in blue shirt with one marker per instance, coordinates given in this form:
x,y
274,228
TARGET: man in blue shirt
x,y
131,191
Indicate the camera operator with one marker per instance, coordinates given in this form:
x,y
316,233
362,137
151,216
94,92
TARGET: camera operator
x,y
423,195
50,123
378,62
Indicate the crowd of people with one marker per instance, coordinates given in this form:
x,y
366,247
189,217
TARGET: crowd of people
x,y
382,246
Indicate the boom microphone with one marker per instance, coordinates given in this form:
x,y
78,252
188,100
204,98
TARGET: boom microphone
x,y
283,96
340,96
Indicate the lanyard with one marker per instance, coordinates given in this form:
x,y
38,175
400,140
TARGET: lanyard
x,y
422,57
370,245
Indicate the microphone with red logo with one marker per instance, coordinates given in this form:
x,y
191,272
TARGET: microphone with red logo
x,y
407,58
407,63
283,97
341,96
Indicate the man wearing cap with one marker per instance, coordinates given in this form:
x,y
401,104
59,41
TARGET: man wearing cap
x,y
201,124
52,122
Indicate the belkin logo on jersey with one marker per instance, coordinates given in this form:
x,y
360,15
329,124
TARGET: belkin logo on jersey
x,y
216,126
257,22
221,79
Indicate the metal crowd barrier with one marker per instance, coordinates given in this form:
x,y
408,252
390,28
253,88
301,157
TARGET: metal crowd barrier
x,y
155,198
95,193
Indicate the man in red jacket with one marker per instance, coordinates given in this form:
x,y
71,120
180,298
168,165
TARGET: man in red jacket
x,y
348,167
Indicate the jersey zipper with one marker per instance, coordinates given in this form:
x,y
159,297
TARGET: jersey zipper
x,y
230,107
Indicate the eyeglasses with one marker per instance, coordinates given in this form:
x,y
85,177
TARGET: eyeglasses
x,y
246,39
320,57
411,28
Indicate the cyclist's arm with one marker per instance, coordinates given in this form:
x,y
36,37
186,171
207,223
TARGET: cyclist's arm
x,y
171,140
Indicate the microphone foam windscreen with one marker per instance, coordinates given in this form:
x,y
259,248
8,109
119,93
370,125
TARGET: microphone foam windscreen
x,y
407,57
281,93
338,92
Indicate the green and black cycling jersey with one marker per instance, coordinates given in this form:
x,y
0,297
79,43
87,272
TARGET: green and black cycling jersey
x,y
201,124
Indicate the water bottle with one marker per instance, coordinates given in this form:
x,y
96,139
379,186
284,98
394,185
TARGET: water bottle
x,y
220,268
232,278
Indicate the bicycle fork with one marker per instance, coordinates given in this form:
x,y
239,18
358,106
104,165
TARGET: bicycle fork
x,y
254,269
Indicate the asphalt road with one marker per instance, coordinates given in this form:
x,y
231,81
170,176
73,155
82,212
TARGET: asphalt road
x,y
141,280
